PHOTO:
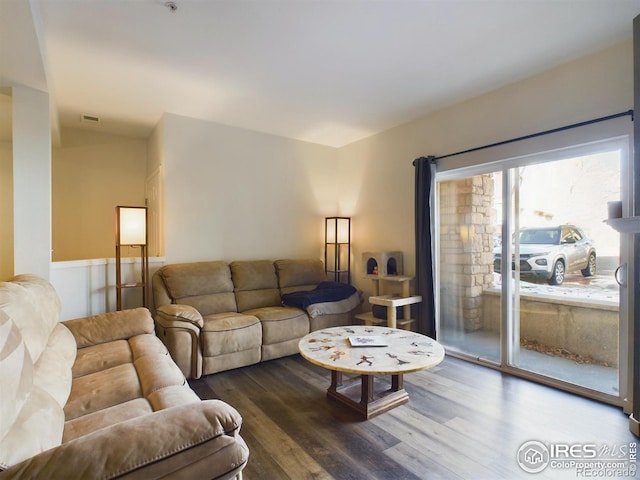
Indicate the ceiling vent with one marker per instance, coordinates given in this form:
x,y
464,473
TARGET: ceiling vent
x,y
89,119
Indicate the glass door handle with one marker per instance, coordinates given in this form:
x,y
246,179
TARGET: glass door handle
x,y
621,275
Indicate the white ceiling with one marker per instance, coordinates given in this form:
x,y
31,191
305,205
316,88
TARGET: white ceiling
x,y
324,71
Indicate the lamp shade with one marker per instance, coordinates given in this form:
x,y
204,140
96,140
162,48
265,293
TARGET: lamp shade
x,y
337,229
343,230
131,225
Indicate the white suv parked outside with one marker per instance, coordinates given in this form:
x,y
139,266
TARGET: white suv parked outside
x,y
552,252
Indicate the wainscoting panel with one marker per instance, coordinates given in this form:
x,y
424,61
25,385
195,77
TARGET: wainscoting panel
x,y
87,287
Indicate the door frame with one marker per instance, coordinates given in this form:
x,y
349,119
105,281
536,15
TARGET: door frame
x,y
510,329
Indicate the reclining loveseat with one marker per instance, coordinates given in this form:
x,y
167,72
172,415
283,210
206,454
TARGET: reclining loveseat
x,y
216,316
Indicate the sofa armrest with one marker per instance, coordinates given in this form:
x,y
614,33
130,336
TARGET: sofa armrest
x,y
191,441
180,313
111,326
178,326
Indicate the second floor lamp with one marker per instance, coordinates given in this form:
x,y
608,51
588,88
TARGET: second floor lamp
x,y
131,230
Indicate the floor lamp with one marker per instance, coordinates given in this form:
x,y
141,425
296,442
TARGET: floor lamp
x,y
131,231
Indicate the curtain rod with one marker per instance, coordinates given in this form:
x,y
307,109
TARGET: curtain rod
x,y
539,134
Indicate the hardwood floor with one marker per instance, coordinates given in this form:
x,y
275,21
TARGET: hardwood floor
x,y
463,421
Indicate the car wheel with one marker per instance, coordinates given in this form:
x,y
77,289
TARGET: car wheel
x,y
590,271
557,277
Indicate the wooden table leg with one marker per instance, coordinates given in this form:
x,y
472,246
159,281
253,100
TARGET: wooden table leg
x,y
336,380
396,382
370,403
367,390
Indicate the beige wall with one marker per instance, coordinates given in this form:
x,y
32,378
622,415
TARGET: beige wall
x,y
377,174
233,194
155,190
6,211
92,173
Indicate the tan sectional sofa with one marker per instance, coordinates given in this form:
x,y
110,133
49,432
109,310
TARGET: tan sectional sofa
x,y
100,397
216,316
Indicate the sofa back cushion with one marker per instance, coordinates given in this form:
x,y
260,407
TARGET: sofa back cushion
x,y
16,373
256,284
206,286
298,275
33,305
36,355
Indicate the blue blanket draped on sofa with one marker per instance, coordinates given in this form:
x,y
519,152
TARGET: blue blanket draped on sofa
x,y
324,292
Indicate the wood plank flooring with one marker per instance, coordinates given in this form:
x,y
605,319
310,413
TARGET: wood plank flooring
x,y
463,421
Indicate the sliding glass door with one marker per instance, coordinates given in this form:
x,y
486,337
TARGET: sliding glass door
x,y
526,267
568,300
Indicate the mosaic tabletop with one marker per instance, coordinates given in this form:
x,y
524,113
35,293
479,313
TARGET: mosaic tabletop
x,y
379,350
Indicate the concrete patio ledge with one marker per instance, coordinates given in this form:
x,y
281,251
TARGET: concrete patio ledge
x,y
580,326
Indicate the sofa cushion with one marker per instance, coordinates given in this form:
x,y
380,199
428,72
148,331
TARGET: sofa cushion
x,y
102,389
156,372
14,357
118,372
122,380
110,326
172,396
40,413
281,323
52,371
34,383
206,286
101,357
295,275
230,333
104,418
142,345
62,341
256,284
34,316
212,303
197,278
43,297
189,441
253,275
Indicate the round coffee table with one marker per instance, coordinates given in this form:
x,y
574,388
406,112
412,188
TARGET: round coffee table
x,y
369,351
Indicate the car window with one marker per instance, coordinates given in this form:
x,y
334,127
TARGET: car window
x,y
540,236
567,236
576,234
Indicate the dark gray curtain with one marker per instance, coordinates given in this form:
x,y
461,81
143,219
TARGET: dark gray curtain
x,y
426,316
